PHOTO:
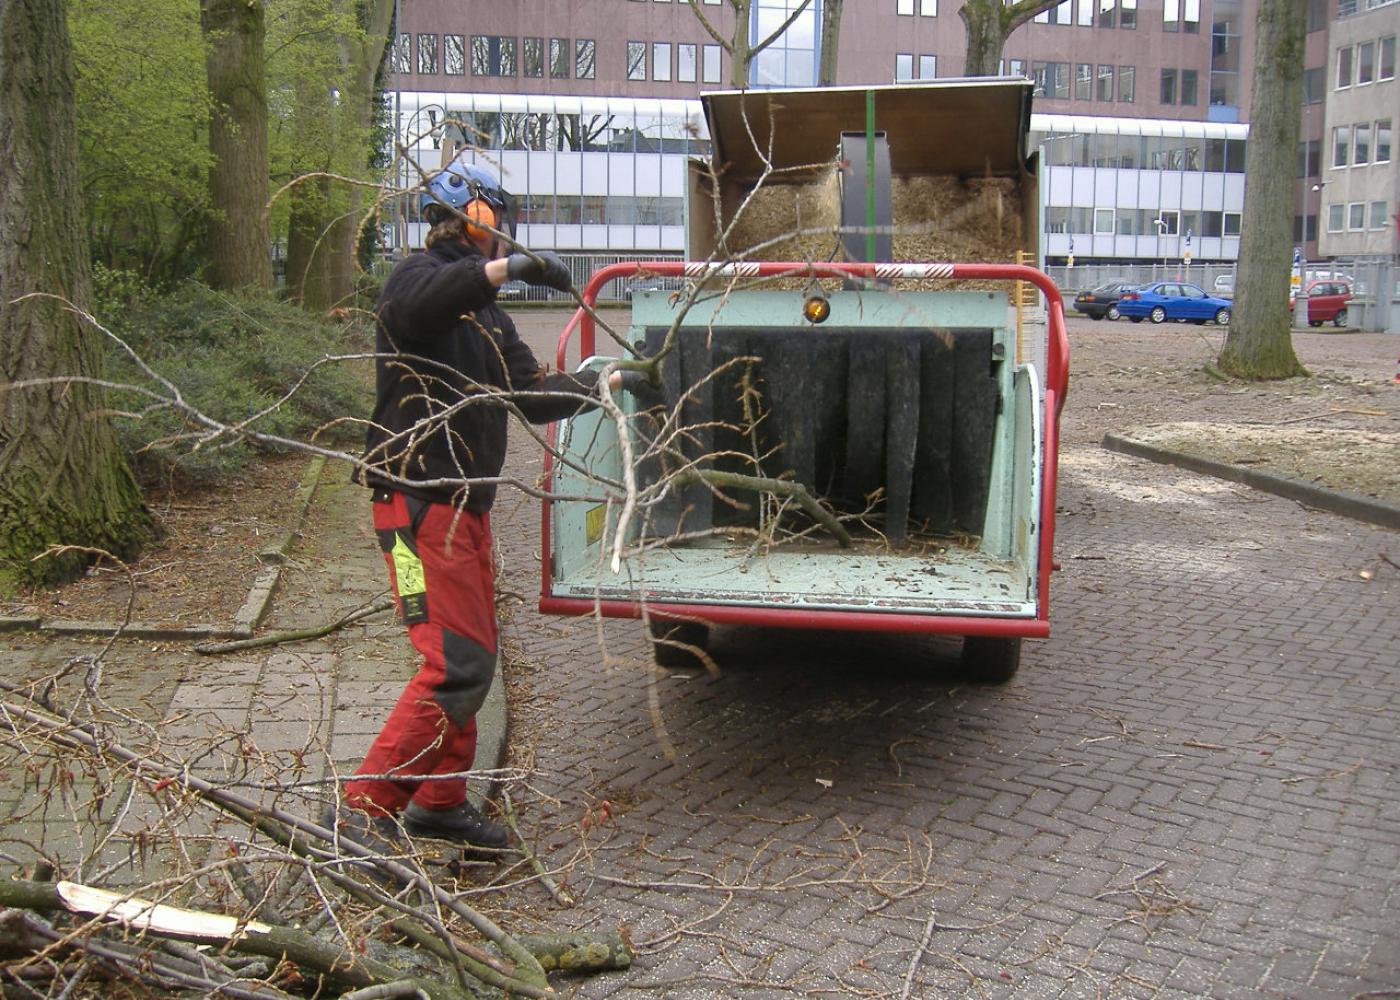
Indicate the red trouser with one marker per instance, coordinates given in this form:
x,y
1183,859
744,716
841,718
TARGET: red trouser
x,y
441,570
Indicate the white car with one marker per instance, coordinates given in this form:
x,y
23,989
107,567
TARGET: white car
x,y
1224,285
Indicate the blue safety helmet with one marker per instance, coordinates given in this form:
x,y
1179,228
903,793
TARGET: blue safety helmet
x,y
476,193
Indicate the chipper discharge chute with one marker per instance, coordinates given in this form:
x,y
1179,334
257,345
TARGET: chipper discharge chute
x,y
851,437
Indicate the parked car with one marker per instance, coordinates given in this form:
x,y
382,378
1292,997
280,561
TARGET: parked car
x,y
651,283
1102,301
1175,300
1327,302
1224,285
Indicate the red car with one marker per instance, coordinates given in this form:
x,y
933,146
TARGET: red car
x,y
1327,302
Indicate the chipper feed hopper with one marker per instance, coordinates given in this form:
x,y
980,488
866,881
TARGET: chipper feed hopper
x,y
849,432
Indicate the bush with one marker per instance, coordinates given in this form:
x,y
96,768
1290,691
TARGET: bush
x,y
231,356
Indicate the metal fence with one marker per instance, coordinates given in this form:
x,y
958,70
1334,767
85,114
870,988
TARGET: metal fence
x,y
1375,281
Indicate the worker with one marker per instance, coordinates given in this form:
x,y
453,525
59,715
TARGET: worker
x,y
446,354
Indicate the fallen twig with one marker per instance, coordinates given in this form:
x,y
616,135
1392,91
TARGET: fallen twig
x,y
560,896
295,635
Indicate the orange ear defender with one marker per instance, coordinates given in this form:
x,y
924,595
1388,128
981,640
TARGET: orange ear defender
x,y
479,211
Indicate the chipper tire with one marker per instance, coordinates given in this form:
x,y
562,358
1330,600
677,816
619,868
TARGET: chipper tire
x,y
678,635
990,659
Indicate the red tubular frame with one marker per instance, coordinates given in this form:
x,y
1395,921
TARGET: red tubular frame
x,y
1056,386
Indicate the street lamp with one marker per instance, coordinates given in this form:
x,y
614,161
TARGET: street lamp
x,y
1161,225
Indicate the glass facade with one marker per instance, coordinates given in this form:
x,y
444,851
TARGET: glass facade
x,y
608,175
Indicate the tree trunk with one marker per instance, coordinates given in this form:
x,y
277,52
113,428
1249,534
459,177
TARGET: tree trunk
x,y
1260,341
307,248
238,251
65,479
740,52
831,41
988,24
985,37
323,235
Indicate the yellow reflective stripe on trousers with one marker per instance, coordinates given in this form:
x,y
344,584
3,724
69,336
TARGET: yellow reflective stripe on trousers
x,y
408,568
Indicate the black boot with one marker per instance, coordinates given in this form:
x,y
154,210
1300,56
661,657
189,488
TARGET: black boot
x,y
463,824
379,834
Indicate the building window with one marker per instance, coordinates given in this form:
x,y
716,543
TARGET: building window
x,y
1064,13
1341,143
403,58
661,60
1083,81
1383,141
1232,224
1105,85
1168,86
1018,67
1344,68
903,67
1086,13
532,57
1356,216
791,61
454,54
636,60
709,71
493,55
1125,84
1317,15
928,67
1051,79
1188,87
1043,17
1106,12
427,54
1365,62
1103,222
1386,69
585,58
1312,85
1362,144
1336,218
904,8
1128,14
685,62
1309,158
559,58
1191,20
1225,51
928,8
1171,15
1378,215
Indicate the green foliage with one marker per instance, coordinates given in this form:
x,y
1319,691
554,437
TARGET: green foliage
x,y
143,122
233,356
143,112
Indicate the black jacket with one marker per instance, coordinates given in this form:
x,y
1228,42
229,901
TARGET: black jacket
x,y
444,346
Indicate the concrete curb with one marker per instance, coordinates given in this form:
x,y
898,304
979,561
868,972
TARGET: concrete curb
x,y
1350,505
255,605
492,730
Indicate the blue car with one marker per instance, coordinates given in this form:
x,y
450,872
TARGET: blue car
x,y
1164,300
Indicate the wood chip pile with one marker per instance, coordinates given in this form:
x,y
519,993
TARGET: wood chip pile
x,y
936,218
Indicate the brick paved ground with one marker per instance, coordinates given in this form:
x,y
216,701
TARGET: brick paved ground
x,y
1190,790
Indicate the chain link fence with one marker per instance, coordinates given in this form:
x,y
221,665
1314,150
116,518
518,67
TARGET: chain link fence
x,y
1375,282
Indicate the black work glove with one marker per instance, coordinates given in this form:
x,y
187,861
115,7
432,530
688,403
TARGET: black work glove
x,y
548,270
633,381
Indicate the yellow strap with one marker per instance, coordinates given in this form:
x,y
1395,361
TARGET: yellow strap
x,y
408,568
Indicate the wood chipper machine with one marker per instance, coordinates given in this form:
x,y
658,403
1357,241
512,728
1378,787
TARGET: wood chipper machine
x,y
848,432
